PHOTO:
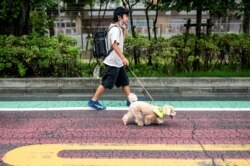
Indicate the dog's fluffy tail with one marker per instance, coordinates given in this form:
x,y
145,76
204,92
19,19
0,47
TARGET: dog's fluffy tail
x,y
132,97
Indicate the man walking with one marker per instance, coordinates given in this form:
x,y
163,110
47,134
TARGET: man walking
x,y
115,73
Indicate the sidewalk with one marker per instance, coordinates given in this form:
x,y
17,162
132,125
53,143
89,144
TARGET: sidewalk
x,y
121,105
157,86
72,93
50,118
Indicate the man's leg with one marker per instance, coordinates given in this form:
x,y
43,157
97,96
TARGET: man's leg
x,y
108,81
99,92
126,90
94,101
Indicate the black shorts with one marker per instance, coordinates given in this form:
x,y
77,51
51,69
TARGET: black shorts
x,y
114,76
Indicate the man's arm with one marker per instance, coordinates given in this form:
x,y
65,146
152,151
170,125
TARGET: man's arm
x,y
120,54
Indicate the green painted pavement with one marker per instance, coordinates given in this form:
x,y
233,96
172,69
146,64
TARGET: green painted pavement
x,y
108,103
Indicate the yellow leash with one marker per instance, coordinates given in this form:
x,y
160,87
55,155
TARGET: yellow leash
x,y
141,84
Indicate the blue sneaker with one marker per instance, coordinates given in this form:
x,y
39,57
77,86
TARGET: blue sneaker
x,y
128,103
96,105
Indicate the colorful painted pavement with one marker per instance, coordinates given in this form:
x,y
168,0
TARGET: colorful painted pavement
x,y
66,133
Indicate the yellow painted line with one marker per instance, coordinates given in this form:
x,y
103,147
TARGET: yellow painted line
x,y
156,147
47,154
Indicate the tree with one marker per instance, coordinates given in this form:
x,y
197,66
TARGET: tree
x,y
215,7
76,8
152,5
40,22
15,15
188,5
147,18
156,6
128,4
246,16
218,8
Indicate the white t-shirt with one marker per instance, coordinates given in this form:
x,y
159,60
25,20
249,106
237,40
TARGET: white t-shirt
x,y
114,34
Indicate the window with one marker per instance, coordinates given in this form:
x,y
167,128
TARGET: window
x,y
68,31
142,23
68,24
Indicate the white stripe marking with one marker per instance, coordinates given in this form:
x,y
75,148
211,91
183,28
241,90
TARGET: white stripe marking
x,y
115,109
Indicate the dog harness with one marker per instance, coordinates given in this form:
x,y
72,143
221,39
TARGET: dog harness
x,y
159,112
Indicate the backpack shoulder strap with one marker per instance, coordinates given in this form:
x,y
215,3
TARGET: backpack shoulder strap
x,y
111,49
112,27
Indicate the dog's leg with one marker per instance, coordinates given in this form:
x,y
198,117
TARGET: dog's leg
x,y
125,119
139,122
139,119
128,118
159,121
149,119
138,116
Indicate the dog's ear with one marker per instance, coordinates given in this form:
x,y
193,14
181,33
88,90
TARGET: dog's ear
x,y
172,113
169,110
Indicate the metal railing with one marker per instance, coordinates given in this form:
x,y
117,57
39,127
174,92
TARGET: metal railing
x,y
168,30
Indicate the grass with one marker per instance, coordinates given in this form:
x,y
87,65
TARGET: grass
x,y
147,71
143,70
245,73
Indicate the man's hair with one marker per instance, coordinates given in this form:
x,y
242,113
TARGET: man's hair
x,y
119,11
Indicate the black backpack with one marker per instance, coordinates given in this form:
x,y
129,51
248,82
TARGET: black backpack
x,y
100,43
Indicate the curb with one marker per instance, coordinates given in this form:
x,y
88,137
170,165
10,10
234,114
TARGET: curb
x,y
114,109
157,86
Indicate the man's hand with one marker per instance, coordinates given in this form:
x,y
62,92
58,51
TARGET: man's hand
x,y
125,61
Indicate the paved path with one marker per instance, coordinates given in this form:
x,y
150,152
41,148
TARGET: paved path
x,y
119,104
74,137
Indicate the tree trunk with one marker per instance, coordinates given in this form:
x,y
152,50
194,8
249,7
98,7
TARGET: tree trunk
x,y
132,23
148,26
91,23
155,20
196,62
20,25
51,24
25,26
198,21
246,18
246,26
130,7
135,56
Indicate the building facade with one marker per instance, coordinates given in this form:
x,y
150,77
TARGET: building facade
x,y
82,24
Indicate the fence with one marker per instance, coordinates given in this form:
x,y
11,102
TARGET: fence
x,y
168,30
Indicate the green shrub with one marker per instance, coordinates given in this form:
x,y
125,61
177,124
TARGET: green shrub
x,y
40,56
177,54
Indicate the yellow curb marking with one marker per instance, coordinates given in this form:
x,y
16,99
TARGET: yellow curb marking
x,y
47,155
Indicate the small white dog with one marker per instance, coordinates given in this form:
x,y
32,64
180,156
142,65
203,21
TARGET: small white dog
x,y
143,113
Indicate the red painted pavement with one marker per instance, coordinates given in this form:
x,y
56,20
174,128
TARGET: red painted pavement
x,y
25,128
